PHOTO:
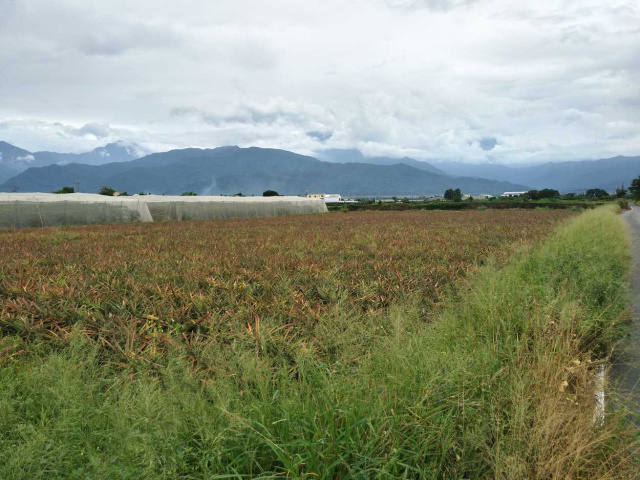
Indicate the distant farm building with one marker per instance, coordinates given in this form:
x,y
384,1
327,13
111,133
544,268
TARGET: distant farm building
x,y
512,194
327,197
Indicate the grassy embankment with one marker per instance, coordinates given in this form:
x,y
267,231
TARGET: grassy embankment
x,y
496,386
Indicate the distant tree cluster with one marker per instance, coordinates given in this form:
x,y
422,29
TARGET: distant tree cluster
x,y
621,192
110,192
634,188
65,190
270,193
453,195
540,194
189,194
596,193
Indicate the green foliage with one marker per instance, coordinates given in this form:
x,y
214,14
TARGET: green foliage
x,y
634,188
189,194
270,193
624,204
596,193
65,190
541,194
107,191
453,195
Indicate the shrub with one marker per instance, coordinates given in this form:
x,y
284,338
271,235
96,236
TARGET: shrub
x,y
65,190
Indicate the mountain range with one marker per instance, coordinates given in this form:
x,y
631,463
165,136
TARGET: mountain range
x,y
231,169
573,176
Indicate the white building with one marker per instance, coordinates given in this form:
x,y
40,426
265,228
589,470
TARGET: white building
x,y
327,197
512,194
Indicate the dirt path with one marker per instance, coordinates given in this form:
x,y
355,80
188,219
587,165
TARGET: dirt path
x,y
626,371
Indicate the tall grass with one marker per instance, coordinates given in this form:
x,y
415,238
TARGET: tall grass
x,y
497,386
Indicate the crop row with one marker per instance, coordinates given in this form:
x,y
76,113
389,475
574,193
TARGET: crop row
x,y
135,289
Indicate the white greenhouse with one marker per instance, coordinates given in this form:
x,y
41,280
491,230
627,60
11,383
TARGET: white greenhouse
x,y
18,210
164,208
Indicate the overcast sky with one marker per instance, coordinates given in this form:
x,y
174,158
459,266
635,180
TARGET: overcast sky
x,y
497,80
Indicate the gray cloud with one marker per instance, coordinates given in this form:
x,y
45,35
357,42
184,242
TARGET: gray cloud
x,y
320,136
441,5
431,79
128,37
275,111
487,144
98,130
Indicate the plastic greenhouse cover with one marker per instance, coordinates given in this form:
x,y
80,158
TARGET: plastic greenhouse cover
x,y
196,207
46,209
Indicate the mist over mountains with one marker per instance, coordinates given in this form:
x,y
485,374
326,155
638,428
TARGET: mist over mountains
x,y
231,169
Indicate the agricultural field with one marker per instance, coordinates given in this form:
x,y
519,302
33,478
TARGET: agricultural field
x,y
292,347
136,289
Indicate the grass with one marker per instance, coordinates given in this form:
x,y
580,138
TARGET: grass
x,y
263,349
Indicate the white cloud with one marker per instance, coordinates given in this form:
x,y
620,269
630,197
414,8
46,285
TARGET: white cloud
x,y
97,130
432,79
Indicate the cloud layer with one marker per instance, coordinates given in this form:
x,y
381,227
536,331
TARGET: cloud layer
x,y
470,80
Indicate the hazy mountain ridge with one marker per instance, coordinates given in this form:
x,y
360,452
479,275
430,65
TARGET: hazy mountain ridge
x,y
228,170
355,156
608,173
567,176
14,160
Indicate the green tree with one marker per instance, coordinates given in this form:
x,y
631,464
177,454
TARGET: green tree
x,y
634,188
108,191
270,193
453,195
596,193
621,192
65,190
189,194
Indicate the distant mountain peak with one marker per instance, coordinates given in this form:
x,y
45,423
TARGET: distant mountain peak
x,y
10,154
119,148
